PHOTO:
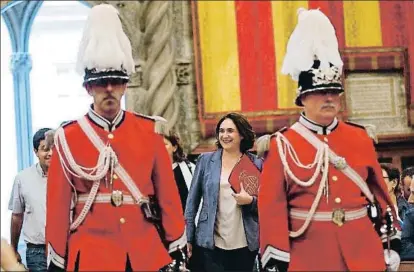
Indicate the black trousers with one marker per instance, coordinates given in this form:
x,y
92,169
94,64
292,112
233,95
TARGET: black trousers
x,y
219,260
195,263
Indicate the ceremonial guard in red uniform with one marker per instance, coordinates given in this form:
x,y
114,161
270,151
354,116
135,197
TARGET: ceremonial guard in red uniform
x,y
321,186
112,202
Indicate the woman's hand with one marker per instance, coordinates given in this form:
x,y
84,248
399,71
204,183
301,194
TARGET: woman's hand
x,y
242,198
189,250
9,260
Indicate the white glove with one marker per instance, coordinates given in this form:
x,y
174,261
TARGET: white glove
x,y
392,260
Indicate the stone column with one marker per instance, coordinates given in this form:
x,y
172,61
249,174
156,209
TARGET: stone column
x,y
20,66
158,76
188,124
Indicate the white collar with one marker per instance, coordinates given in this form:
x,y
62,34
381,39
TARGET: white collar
x,y
317,128
103,122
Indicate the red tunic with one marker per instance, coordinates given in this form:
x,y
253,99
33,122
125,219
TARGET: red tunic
x,y
109,234
324,246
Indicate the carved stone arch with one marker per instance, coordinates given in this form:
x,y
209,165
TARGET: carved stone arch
x,y
19,17
8,4
11,21
29,14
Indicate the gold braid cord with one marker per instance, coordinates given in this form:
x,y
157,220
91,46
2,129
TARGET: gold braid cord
x,y
158,76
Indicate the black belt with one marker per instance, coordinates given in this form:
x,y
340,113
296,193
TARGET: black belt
x,y
35,245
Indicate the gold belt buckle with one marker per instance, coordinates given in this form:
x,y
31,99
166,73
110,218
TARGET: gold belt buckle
x,y
338,217
117,198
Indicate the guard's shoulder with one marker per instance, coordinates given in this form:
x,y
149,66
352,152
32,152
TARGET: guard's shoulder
x,y
66,124
368,129
157,124
355,125
148,117
263,142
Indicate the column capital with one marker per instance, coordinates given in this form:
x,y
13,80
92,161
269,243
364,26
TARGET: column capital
x,y
20,61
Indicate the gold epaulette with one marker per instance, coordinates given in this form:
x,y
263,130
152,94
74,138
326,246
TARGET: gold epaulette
x,y
67,123
160,123
263,142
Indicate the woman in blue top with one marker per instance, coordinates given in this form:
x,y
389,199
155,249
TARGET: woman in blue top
x,y
227,229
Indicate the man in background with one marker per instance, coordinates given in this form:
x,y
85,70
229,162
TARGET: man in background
x,y
29,205
406,178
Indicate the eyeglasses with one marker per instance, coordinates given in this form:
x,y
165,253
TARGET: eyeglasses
x,y
386,177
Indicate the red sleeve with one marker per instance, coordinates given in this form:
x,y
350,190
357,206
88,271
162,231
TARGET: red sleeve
x,y
273,211
168,197
59,193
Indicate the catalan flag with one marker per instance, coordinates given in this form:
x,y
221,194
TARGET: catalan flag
x,y
240,46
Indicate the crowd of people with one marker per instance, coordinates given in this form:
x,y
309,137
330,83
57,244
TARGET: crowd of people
x,y
114,190
401,190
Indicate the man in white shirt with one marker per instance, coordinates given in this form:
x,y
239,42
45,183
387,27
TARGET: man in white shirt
x,y
29,205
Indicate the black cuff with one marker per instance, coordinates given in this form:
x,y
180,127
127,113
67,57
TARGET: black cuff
x,y
277,266
395,244
54,268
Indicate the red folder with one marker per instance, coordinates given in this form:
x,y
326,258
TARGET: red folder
x,y
246,172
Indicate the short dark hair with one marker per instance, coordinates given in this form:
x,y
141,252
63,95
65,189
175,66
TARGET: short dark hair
x,y
178,155
244,128
393,174
38,137
407,172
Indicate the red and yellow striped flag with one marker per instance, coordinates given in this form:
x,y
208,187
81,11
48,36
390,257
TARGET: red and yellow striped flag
x,y
240,46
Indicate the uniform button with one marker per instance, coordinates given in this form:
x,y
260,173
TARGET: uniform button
x,y
122,220
114,176
334,178
325,139
110,136
337,200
